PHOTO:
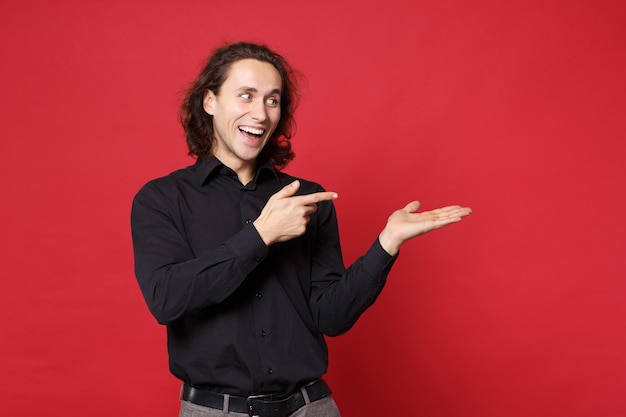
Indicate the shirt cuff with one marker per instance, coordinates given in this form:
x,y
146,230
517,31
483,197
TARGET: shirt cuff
x,y
377,259
248,247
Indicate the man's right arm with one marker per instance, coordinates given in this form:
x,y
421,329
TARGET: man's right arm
x,y
175,281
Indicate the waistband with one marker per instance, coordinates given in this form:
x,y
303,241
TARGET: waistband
x,y
264,405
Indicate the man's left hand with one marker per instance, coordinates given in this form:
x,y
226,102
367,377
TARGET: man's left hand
x,y
407,223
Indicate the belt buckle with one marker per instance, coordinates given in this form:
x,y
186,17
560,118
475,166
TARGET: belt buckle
x,y
251,398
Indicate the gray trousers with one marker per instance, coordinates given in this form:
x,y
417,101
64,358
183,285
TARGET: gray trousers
x,y
325,407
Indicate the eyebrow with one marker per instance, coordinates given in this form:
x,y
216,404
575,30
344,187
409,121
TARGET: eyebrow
x,y
254,90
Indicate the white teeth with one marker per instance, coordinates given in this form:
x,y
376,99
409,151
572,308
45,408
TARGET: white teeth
x,y
252,130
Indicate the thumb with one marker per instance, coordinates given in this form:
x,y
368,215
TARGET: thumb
x,y
412,207
288,190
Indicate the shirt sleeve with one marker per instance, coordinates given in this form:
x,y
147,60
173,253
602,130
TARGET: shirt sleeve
x,y
175,281
338,295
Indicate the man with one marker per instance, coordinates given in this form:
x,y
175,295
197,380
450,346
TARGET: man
x,y
242,262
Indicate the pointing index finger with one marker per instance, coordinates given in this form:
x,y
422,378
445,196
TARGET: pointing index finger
x,y
317,197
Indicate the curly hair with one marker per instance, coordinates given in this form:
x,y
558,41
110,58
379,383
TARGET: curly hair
x,y
198,124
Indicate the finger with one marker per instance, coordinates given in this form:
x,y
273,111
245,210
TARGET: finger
x,y
316,197
453,209
308,209
450,213
446,209
461,211
288,190
442,213
412,207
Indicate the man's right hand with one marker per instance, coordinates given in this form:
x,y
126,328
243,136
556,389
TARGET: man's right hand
x,y
286,216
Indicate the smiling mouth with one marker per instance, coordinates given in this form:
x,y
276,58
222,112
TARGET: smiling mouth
x,y
255,132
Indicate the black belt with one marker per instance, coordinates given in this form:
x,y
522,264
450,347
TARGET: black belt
x,y
265,405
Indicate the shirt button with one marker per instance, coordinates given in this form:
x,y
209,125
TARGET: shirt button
x,y
259,295
248,221
270,371
263,333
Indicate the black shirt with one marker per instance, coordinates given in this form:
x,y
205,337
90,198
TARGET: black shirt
x,y
243,318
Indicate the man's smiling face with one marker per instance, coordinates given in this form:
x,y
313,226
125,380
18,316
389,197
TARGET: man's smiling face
x,y
245,113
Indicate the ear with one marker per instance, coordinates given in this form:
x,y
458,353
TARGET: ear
x,y
208,102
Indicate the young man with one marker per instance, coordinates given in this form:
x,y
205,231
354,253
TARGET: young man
x,y
242,262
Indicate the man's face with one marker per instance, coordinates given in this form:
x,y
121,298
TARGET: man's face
x,y
245,112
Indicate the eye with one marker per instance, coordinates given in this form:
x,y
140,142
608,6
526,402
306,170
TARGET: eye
x,y
272,101
246,96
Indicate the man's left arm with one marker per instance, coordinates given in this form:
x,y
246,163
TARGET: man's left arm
x,y
339,295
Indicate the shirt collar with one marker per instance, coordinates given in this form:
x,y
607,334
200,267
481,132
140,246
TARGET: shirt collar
x,y
209,166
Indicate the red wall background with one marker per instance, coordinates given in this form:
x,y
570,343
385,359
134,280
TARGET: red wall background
x,y
515,108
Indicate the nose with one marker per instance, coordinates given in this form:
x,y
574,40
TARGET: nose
x,y
258,111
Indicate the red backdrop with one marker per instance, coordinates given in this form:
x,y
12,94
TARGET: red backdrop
x,y
515,108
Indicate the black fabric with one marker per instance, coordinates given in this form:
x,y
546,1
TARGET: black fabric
x,y
241,317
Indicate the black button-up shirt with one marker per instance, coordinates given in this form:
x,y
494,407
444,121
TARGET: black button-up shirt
x,y
243,318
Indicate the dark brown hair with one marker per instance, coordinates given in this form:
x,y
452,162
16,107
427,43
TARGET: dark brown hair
x,y
198,124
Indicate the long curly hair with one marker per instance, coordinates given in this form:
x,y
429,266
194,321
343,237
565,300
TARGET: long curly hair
x,y
198,124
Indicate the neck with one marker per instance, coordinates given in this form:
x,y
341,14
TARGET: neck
x,y
245,176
